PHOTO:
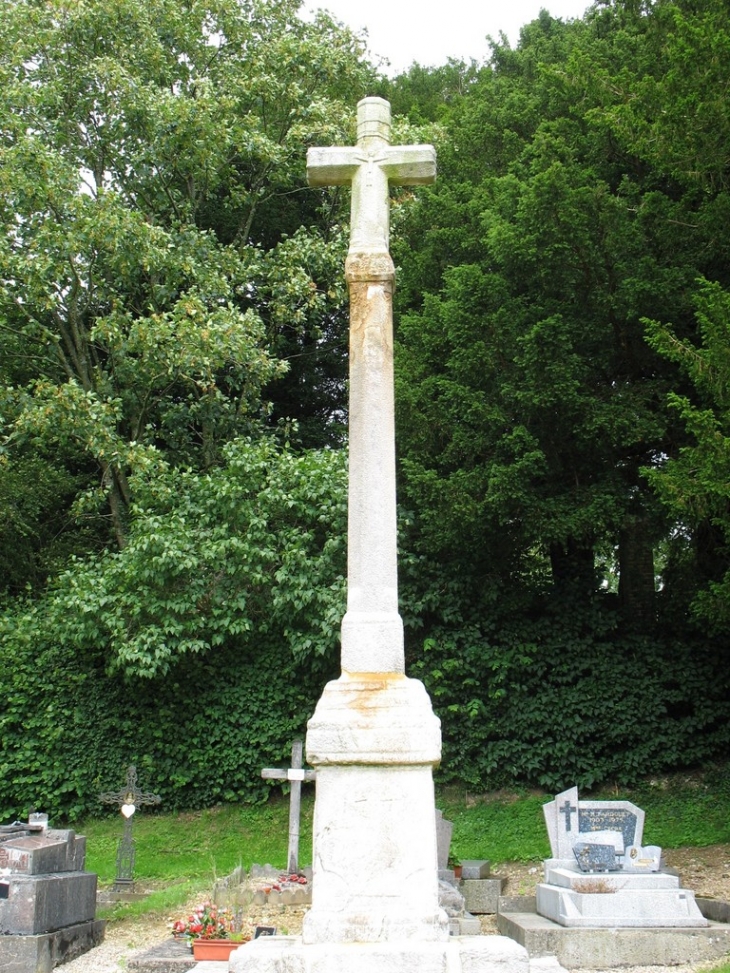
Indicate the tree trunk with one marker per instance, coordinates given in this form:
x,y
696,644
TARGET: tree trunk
x,y
636,589
573,566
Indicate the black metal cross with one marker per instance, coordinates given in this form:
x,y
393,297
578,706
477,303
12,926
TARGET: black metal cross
x,y
567,809
128,799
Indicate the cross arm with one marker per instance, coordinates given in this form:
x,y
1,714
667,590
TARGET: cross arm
x,y
270,773
410,165
332,166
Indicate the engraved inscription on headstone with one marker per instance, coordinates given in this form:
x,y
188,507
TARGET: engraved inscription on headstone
x,y
609,819
569,820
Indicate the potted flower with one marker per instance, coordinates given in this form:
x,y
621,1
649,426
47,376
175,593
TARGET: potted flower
x,y
210,932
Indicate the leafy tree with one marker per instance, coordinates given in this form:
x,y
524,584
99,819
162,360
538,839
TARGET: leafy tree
x,y
250,550
152,204
530,401
694,483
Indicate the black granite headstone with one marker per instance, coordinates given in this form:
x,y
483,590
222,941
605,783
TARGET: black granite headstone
x,y
595,858
608,819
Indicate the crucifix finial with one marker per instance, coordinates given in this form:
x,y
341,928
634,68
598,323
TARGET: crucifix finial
x,y
370,166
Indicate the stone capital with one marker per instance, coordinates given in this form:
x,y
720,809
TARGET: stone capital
x,y
374,718
369,267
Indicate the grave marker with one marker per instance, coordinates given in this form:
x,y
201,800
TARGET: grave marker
x,y
128,799
603,854
295,775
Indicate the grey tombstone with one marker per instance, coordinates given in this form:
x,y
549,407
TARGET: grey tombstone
x,y
569,820
47,900
444,831
629,889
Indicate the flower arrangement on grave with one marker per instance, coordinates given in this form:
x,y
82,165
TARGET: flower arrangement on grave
x,y
207,922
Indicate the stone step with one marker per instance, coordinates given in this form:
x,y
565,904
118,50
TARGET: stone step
x,y
601,949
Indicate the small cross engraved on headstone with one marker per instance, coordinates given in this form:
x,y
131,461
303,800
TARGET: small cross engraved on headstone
x,y
295,775
128,799
567,809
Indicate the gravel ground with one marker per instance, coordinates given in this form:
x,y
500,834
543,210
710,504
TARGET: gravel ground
x,y
705,870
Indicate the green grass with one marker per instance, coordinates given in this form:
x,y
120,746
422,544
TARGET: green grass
x,y
197,845
181,854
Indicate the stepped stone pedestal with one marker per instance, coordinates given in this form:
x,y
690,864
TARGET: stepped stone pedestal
x,y
573,898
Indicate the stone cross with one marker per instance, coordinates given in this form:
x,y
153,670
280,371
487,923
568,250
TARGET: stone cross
x,y
372,630
128,799
295,775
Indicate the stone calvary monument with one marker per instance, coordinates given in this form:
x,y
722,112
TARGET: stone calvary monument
x,y
374,738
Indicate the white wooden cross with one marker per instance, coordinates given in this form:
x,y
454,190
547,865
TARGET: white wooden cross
x,y
295,775
371,166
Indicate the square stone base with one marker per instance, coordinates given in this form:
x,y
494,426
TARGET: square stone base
x,y
468,954
38,904
481,895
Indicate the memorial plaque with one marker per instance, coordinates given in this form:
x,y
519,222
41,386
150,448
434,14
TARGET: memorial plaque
x,y
569,821
595,858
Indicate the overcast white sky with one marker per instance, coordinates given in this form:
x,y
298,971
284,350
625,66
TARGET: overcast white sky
x,y
431,31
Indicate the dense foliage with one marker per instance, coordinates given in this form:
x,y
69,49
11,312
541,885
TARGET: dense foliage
x,y
160,263
226,598
565,457
173,394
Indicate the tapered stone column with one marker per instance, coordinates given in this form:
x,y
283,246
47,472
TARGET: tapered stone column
x,y
373,738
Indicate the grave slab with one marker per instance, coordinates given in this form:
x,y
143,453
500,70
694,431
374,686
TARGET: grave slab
x,y
171,956
567,876
610,948
627,908
37,854
45,903
42,953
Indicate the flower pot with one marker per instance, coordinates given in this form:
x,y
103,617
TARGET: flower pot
x,y
219,949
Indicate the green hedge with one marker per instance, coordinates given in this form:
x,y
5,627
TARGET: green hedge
x,y
551,698
199,736
568,698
